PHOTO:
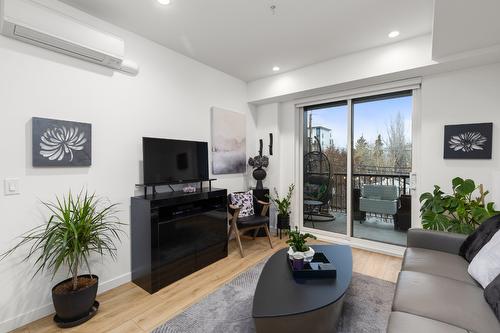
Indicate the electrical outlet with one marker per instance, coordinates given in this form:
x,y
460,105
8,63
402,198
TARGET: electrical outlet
x,y
11,186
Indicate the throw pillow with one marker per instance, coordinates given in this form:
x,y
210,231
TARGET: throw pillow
x,y
245,202
485,266
482,235
492,296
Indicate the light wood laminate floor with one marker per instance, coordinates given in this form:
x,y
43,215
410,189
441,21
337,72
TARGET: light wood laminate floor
x,y
129,309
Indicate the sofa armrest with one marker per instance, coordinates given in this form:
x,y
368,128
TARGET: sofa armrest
x,y
436,240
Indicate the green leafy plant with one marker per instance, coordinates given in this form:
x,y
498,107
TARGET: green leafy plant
x,y
460,211
297,241
78,227
282,204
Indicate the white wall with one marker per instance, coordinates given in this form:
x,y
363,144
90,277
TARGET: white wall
x,y
276,118
461,26
279,119
465,96
289,142
267,122
171,98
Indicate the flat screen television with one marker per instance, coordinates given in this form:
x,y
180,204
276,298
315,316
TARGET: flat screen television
x,y
172,161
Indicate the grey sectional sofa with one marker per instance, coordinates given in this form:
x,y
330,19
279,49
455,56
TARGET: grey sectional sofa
x,y
434,293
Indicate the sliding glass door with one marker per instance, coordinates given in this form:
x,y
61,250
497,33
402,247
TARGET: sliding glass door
x,y
376,132
381,166
325,167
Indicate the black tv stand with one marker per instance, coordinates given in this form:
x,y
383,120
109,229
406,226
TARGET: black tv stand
x,y
169,184
174,234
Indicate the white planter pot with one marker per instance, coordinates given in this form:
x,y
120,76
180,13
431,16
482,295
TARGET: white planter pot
x,y
308,255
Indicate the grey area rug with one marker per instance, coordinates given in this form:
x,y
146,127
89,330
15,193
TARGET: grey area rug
x,y
229,309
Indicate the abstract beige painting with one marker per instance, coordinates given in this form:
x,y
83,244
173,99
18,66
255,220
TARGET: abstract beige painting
x,y
228,142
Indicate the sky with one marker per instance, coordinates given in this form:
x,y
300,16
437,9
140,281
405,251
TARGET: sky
x,y
370,119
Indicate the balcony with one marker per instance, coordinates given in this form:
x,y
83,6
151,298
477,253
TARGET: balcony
x,y
387,228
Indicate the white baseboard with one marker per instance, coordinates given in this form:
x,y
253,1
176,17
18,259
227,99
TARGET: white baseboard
x,y
113,283
363,244
47,309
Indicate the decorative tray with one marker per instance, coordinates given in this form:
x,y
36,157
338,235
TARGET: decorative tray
x,y
319,267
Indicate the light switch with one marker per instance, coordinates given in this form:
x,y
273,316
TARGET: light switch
x,y
413,181
11,186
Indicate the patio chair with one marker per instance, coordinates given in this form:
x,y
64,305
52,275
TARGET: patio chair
x,y
317,187
379,199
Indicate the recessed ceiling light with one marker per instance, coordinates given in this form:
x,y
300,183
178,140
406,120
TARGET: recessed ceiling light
x,y
393,34
276,69
164,2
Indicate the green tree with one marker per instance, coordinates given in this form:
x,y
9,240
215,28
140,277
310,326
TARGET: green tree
x,y
361,153
337,158
398,149
378,152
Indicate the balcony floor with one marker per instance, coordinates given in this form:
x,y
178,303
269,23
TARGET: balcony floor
x,y
374,228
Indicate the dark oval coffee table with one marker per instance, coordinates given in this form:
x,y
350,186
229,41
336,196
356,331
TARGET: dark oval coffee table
x,y
284,304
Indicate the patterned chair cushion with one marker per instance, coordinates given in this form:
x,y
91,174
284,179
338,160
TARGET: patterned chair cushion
x,y
245,202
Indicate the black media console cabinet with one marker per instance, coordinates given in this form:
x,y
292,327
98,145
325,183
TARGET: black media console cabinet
x,y
175,234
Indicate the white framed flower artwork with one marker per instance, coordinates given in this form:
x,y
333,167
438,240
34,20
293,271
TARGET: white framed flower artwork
x,y
468,141
61,143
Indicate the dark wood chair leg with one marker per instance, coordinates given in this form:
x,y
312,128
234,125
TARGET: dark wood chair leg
x,y
255,233
230,231
234,228
268,235
238,240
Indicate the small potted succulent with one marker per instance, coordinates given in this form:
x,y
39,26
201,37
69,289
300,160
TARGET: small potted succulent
x,y
283,206
298,246
78,227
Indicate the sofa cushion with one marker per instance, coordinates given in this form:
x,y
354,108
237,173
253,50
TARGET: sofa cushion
x,y
389,207
408,323
482,235
244,201
437,263
492,295
485,266
380,192
450,301
443,241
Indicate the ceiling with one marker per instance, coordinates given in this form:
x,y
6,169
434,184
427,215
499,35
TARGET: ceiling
x,y
245,39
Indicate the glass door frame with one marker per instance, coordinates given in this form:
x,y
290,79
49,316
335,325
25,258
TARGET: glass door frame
x,y
414,86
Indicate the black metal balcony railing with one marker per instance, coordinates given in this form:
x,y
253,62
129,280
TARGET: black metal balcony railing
x,y
339,186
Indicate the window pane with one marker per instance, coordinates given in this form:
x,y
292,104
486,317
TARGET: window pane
x,y
381,167
325,167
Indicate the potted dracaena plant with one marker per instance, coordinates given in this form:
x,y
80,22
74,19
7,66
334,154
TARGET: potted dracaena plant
x,y
283,207
78,227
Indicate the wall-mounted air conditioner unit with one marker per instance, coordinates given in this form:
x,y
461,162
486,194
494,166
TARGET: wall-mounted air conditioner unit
x,y
36,24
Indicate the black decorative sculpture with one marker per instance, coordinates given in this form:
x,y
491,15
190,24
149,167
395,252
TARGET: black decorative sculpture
x,y
258,163
271,144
